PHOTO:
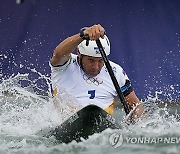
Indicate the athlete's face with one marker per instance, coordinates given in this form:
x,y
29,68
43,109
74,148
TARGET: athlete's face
x,y
92,65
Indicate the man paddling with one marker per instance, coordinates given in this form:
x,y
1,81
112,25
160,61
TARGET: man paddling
x,y
84,75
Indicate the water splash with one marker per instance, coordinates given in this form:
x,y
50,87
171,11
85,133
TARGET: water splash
x,y
26,108
157,120
66,104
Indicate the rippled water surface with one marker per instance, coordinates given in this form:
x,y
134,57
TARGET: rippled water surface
x,y
24,111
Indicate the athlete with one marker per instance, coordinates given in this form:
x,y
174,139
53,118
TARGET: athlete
x,y
84,75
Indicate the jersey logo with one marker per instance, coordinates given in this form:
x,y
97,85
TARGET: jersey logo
x,y
92,94
92,80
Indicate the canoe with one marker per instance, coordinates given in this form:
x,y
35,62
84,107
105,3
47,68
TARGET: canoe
x,y
89,120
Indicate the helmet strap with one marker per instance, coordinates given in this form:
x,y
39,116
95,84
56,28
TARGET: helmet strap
x,y
80,61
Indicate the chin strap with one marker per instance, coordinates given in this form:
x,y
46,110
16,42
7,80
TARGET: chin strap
x,y
80,61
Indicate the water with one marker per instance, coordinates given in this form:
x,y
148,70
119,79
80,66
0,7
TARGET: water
x,y
27,109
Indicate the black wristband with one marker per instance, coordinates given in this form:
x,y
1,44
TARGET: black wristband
x,y
84,37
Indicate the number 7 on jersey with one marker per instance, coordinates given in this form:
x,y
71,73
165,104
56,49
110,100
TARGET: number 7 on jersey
x,y
92,94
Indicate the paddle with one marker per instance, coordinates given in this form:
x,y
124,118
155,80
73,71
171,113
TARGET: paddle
x,y
113,78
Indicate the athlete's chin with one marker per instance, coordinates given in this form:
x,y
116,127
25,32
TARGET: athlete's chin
x,y
93,74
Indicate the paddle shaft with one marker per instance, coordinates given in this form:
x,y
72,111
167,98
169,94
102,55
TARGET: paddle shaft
x,y
113,78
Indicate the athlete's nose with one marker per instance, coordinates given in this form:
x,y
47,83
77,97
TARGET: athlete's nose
x,y
96,65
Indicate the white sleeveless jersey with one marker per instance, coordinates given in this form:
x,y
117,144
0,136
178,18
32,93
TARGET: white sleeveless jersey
x,y
97,90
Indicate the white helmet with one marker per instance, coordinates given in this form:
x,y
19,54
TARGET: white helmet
x,y
92,49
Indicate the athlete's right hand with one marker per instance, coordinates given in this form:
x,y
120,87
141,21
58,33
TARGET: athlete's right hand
x,y
95,32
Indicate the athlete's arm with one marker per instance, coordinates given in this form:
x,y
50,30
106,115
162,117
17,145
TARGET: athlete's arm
x,y
62,52
132,101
